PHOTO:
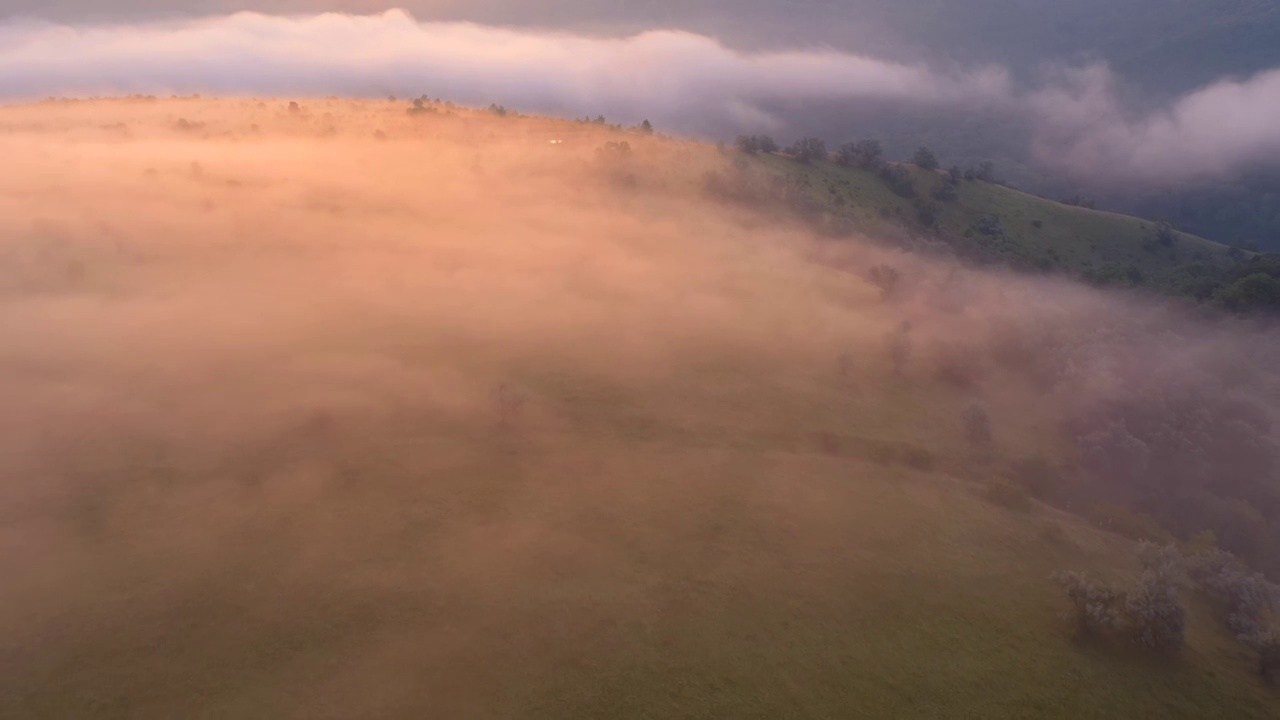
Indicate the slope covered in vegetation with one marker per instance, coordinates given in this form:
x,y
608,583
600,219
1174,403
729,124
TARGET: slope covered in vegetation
x,y
988,222
349,409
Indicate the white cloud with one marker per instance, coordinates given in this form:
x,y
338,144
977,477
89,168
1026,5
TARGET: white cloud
x,y
683,81
688,81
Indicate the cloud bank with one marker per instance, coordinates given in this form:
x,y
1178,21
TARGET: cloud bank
x,y
688,81
685,82
1215,131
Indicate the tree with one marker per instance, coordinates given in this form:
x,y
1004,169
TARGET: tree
x,y
1157,615
1165,234
986,171
1258,291
646,127
863,154
955,174
752,144
946,191
1267,644
925,159
1097,607
808,150
899,180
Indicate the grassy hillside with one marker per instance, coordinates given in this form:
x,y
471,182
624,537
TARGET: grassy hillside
x,y
338,410
1033,233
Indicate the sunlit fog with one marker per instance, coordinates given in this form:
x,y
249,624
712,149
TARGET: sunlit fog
x,y
752,359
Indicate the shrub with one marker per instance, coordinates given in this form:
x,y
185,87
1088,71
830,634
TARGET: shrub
x,y
751,144
1267,644
1162,559
1151,613
898,179
1245,600
946,192
989,225
1097,608
863,154
925,159
1165,236
1156,615
808,150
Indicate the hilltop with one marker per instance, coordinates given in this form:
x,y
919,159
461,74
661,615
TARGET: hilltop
x,y
335,408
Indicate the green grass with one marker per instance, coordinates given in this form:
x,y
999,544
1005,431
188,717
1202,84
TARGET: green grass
x,y
660,556
1038,233
740,531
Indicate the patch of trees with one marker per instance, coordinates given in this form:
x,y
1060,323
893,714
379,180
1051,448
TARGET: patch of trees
x,y
925,159
752,144
898,178
947,191
984,171
420,106
808,150
1192,459
865,154
989,225
1150,611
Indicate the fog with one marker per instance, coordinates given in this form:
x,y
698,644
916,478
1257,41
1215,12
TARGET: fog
x,y
1081,124
379,411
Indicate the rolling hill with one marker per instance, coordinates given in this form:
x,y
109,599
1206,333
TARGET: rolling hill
x,y
338,408
991,223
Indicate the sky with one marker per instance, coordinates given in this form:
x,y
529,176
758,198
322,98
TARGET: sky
x,y
632,62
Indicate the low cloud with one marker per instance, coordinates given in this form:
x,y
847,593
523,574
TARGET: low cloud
x,y
689,82
1084,128
684,82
